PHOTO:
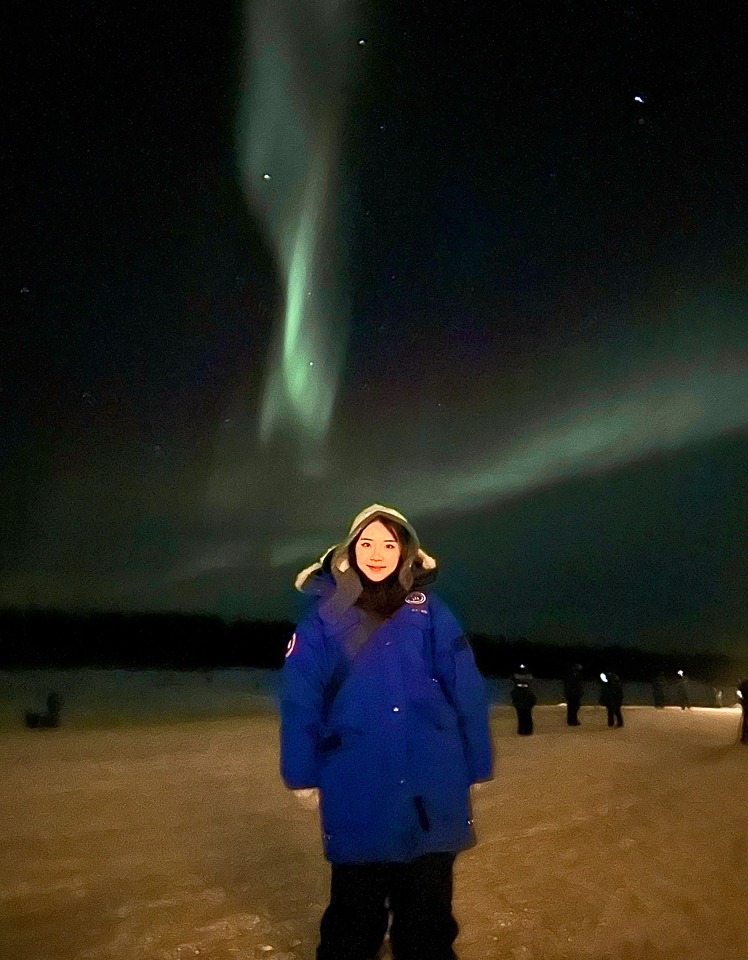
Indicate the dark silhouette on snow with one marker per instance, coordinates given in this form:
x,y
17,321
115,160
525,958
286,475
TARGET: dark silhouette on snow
x,y
681,687
611,697
573,692
523,700
45,721
658,691
743,695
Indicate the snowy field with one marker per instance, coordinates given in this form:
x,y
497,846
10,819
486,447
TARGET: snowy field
x,y
170,840
116,697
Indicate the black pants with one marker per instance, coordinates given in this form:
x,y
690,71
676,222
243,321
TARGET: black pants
x,y
419,896
615,717
524,721
572,709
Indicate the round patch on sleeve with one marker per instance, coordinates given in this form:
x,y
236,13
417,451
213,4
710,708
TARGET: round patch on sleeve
x,y
416,597
291,646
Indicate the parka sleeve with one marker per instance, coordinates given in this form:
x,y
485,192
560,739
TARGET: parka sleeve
x,y
302,689
464,686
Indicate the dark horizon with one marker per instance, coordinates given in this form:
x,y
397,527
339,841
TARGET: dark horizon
x,y
40,640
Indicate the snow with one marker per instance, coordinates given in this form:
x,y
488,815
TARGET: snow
x,y
159,840
106,697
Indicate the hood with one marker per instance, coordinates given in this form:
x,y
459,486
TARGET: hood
x,y
334,571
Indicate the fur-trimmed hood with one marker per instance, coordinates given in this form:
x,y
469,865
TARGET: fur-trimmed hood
x,y
333,574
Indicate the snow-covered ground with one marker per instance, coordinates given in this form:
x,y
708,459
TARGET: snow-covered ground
x,y
165,841
110,697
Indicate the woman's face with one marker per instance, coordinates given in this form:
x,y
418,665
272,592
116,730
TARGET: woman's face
x,y
377,552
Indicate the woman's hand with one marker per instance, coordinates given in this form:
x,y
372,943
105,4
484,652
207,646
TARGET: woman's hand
x,y
308,798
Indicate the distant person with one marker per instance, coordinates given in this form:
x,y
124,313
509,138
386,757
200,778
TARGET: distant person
x,y
54,704
45,721
611,697
523,700
573,692
384,718
658,691
743,695
681,688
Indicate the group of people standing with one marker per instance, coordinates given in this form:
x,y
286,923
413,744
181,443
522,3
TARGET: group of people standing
x,y
524,697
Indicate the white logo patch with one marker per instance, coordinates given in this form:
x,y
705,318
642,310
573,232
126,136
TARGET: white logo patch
x,y
416,597
291,646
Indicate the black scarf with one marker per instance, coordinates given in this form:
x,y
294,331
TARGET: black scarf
x,y
381,600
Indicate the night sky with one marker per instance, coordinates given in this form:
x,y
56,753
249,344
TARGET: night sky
x,y
483,262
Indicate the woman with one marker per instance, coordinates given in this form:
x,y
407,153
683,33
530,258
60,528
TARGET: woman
x,y
384,713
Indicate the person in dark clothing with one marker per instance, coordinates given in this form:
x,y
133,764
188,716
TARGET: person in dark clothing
x,y
684,701
743,695
611,697
573,692
658,691
53,709
523,700
49,720
384,723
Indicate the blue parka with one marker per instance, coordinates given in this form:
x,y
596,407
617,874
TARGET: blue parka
x,y
392,736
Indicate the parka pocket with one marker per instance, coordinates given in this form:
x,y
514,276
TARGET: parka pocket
x,y
335,740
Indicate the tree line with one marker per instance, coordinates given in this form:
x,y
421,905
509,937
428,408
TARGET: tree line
x,y
43,639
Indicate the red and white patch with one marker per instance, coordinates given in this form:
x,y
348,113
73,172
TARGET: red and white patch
x,y
291,646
